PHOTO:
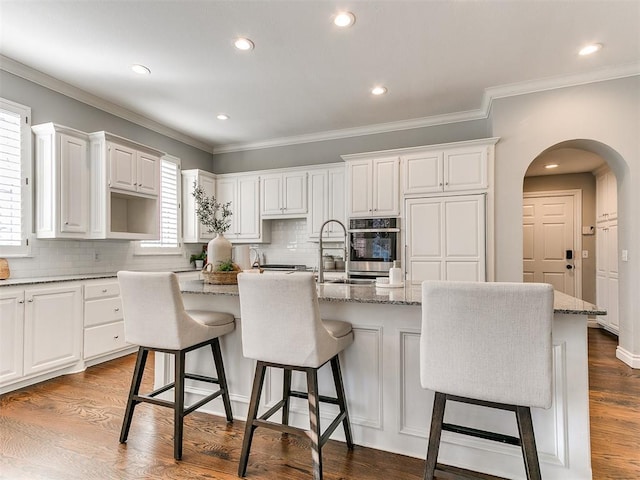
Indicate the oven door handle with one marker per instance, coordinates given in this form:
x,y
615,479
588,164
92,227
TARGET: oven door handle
x,y
375,230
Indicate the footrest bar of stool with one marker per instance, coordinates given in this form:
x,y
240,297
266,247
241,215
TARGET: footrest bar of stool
x,y
279,427
305,395
474,432
157,392
200,403
155,401
272,410
201,378
330,429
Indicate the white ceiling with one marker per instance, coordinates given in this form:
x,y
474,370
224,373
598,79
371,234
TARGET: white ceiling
x,y
440,60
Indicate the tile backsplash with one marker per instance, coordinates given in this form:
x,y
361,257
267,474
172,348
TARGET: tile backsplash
x,y
289,245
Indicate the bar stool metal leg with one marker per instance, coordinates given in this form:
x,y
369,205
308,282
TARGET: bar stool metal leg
x,y
314,421
342,400
222,378
178,405
529,451
252,414
136,380
286,396
435,433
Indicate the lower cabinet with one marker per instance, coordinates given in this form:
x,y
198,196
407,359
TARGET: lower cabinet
x,y
103,320
40,333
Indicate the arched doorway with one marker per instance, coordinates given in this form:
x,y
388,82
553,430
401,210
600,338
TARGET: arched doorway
x,y
570,223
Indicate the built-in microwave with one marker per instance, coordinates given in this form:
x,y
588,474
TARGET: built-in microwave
x,y
374,244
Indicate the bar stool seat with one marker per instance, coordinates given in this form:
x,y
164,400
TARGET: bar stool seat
x,y
486,344
156,320
282,328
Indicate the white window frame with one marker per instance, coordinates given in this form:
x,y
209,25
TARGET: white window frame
x,y
24,249
142,247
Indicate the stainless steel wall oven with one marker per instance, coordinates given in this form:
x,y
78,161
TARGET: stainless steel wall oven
x,y
374,244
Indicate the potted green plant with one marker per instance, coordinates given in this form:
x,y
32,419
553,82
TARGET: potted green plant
x,y
198,259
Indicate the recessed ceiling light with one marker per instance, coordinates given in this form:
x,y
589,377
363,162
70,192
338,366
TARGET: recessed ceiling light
x,y
551,165
243,44
344,19
222,116
589,49
140,69
379,90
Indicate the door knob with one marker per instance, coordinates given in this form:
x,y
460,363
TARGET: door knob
x,y
569,267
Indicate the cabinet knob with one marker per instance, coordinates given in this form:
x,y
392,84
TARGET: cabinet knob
x,y
447,183
440,184
116,336
104,290
117,309
20,301
30,300
66,223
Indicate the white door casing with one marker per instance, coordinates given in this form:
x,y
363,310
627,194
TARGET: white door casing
x,y
551,226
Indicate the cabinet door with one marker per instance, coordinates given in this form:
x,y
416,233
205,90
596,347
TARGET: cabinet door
x,y
360,188
11,334
249,208
445,238
422,172
272,195
53,328
386,187
74,181
318,202
122,167
226,192
336,194
147,174
294,193
465,169
602,297
612,196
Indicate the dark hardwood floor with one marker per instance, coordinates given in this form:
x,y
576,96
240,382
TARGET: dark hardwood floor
x,y
68,428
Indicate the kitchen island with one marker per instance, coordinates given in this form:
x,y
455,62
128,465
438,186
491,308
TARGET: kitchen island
x,y
389,410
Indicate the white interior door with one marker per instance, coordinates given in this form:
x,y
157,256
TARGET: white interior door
x,y
548,234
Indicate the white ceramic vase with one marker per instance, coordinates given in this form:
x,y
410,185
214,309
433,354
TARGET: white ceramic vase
x,y
218,250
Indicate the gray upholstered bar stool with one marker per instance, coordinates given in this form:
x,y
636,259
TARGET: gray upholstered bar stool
x,y
155,319
487,344
282,328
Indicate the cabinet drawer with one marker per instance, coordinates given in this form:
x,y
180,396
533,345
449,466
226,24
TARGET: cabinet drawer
x,y
101,290
103,339
97,312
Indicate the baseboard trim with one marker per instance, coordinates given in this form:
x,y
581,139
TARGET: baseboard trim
x,y
627,357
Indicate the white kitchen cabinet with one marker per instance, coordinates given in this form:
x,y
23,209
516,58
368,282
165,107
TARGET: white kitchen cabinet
x,y
326,201
373,186
445,238
52,328
125,181
450,169
11,334
103,321
62,182
607,249
243,191
192,230
284,194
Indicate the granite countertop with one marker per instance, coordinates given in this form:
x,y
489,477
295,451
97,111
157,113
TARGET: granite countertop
x,y
407,295
12,282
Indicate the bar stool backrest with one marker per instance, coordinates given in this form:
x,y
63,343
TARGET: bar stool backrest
x,y
154,314
281,319
488,341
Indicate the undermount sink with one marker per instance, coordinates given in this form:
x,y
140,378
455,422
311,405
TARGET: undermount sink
x,y
353,281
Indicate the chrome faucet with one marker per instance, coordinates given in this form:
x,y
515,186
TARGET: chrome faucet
x,y
346,250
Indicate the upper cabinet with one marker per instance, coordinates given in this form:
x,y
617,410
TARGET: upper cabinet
x,y
326,202
62,180
125,181
606,195
284,195
446,168
192,230
373,186
243,191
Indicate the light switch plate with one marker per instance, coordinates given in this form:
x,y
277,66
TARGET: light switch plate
x,y
625,255
585,253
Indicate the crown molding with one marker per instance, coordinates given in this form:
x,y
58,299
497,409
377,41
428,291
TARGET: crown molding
x,y
490,94
19,69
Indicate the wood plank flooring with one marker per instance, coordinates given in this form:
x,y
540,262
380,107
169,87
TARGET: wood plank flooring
x,y
68,428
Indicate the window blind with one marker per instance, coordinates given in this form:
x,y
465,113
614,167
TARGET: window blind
x,y
11,227
169,207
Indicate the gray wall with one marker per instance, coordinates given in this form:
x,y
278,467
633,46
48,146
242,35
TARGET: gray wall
x,y
587,183
605,118
50,106
329,151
